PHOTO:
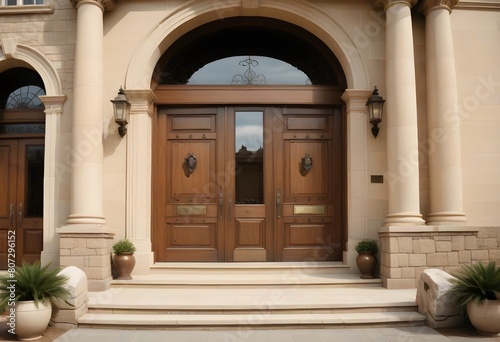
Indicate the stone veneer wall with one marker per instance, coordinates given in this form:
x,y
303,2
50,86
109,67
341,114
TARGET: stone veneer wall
x,y
90,252
406,252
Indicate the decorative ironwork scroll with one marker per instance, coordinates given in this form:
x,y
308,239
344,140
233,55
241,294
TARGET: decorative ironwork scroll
x,y
250,76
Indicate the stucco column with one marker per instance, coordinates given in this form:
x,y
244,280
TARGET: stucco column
x,y
87,132
401,116
443,121
139,163
357,170
86,241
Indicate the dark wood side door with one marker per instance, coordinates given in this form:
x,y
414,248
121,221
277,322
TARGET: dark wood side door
x,y
21,200
309,185
190,185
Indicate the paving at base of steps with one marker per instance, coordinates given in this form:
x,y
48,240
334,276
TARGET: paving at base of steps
x,y
394,334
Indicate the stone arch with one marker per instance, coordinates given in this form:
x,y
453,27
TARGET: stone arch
x,y
13,54
196,13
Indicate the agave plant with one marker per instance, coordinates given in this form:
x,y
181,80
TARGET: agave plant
x,y
367,246
124,246
32,282
476,283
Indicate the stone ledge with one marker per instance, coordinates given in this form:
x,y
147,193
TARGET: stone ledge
x,y
428,229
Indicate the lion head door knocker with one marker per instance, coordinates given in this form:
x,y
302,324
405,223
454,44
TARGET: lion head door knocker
x,y
190,164
306,164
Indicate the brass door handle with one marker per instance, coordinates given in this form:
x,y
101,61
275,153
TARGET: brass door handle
x,y
278,204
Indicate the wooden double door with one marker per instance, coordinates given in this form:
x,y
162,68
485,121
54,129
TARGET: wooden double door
x,y
21,200
248,184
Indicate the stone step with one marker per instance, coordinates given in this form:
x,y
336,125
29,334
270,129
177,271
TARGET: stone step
x,y
230,280
208,268
285,320
215,307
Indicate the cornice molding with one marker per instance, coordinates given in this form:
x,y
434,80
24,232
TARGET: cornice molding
x,y
479,5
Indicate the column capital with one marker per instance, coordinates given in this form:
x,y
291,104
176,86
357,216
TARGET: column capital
x,y
355,99
106,5
385,4
141,100
428,5
53,104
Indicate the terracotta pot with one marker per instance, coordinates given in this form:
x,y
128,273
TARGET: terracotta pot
x,y
31,321
124,265
485,317
366,262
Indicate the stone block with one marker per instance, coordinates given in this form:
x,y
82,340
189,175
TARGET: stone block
x,y
416,246
494,254
97,243
443,246
437,259
427,246
408,272
69,316
405,244
400,283
393,245
96,272
453,259
479,255
470,242
67,243
458,243
82,251
464,257
99,261
488,243
403,260
77,261
435,302
418,260
394,273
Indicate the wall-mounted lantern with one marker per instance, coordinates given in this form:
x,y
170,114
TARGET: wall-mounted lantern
x,y
375,107
121,109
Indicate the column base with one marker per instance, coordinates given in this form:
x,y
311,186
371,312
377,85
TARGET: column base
x,y
88,247
405,252
447,218
86,219
404,219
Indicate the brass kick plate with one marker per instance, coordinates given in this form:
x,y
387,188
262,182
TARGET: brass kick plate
x,y
191,210
309,209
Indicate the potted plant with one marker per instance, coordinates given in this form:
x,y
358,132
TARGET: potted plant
x,y
26,294
124,260
366,259
478,288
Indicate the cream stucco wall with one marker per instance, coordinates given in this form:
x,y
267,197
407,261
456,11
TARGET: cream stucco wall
x,y
137,33
477,49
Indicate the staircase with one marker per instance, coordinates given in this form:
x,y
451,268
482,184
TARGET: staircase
x,y
256,295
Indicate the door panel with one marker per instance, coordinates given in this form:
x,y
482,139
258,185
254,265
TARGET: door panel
x,y
265,184
189,189
21,199
8,200
308,222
